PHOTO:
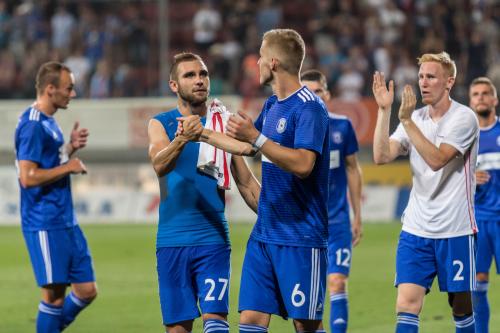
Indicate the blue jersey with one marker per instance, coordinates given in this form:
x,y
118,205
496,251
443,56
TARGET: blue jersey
x,y
293,211
487,200
39,139
342,143
191,207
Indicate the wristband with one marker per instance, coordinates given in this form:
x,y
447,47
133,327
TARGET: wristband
x,y
259,142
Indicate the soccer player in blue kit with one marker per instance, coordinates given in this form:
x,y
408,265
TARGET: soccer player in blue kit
x,y
56,244
193,249
345,172
483,100
437,237
284,269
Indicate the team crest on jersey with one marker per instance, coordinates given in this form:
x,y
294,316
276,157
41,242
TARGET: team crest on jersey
x,y
498,140
337,137
280,128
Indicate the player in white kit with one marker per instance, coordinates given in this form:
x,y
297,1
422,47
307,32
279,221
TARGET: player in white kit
x,y
439,227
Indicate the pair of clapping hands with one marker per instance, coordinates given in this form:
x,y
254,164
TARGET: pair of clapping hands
x,y
239,126
385,96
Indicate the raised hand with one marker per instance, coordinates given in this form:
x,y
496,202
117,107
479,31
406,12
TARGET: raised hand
x,y
76,166
78,136
482,177
190,127
383,96
240,126
408,103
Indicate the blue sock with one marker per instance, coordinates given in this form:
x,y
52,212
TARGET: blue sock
x,y
407,323
481,307
48,319
464,324
72,307
248,328
215,326
339,312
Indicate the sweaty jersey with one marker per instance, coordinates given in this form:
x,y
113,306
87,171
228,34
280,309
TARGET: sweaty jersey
x,y
343,143
39,139
488,159
441,202
293,211
191,206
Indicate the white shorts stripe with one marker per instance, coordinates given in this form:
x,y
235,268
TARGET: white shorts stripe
x,y
315,281
44,245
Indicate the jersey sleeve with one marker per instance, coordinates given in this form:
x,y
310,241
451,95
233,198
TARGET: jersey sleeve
x,y
351,140
259,123
311,127
400,136
30,144
460,131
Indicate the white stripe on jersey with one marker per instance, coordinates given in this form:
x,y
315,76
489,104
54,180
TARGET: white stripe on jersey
x,y
44,245
310,94
34,115
488,161
301,97
305,97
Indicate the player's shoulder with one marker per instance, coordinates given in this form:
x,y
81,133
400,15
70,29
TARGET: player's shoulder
x,y
31,117
462,113
167,115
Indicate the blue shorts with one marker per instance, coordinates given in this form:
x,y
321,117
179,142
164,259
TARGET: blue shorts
x,y
339,248
420,259
283,280
488,245
59,256
190,275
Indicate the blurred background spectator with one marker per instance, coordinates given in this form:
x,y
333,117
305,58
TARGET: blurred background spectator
x,y
113,46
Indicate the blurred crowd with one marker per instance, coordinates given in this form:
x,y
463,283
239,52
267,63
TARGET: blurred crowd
x,y
113,46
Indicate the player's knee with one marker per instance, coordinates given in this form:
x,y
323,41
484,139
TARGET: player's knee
x,y
408,304
482,277
88,294
217,316
254,318
461,303
337,283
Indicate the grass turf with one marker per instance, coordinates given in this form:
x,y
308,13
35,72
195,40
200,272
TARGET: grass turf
x,y
124,258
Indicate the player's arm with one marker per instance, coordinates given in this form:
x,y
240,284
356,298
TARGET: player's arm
x,y
435,157
30,174
226,143
385,150
163,153
248,185
299,161
354,183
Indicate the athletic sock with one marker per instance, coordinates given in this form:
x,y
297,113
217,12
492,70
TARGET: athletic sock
x,y
464,324
49,318
339,312
407,323
215,326
481,307
72,307
248,328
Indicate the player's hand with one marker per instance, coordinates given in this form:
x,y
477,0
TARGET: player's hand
x,y
357,231
482,177
408,103
78,136
240,126
383,96
76,166
190,127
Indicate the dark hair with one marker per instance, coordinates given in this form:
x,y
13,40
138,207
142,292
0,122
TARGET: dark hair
x,y
315,76
182,57
49,73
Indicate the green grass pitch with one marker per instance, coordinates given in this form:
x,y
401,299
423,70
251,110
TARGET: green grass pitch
x,y
124,258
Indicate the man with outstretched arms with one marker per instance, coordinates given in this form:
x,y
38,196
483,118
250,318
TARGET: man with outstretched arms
x,y
56,244
438,224
345,172
193,250
483,100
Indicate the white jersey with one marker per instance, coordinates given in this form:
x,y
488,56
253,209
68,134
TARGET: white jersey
x,y
441,202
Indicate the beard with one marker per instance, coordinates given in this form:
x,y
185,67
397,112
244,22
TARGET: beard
x,y
266,81
484,113
192,99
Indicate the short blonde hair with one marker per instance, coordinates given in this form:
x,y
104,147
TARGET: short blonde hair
x,y
443,58
289,47
484,80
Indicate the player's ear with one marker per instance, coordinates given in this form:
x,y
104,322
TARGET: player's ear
x,y
274,64
449,83
50,89
173,86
